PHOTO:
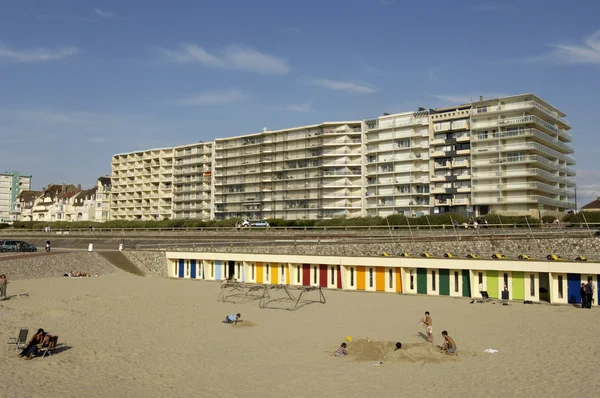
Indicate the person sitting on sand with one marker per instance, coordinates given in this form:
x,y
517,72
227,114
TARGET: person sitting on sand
x,y
341,351
32,347
233,318
449,346
398,346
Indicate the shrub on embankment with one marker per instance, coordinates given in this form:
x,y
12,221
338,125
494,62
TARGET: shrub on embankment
x,y
433,220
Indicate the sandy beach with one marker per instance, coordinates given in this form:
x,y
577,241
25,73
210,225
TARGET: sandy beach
x,y
122,335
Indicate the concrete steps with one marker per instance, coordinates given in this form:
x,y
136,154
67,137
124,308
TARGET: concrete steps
x,y
117,259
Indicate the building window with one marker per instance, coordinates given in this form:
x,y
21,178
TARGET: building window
x,y
391,278
560,286
412,280
315,274
239,272
456,282
482,135
433,286
532,285
370,277
282,274
332,275
481,278
298,272
505,281
267,266
252,267
187,268
352,277
482,109
212,270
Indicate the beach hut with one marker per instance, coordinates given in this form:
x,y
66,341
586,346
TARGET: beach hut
x,y
350,281
433,281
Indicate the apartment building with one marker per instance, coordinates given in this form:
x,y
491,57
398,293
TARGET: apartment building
x,y
142,185
309,172
397,165
450,156
11,185
103,199
509,155
192,181
521,159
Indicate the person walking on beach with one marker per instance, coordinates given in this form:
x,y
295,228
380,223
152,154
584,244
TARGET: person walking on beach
x,y
428,326
449,346
583,296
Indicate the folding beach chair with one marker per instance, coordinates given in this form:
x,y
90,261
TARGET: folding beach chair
x,y
48,350
19,341
485,296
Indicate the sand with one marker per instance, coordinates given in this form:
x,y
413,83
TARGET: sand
x,y
127,336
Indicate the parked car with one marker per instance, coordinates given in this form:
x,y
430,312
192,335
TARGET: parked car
x,y
261,223
16,246
245,223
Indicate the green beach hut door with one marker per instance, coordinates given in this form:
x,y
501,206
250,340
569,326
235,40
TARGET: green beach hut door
x,y
421,281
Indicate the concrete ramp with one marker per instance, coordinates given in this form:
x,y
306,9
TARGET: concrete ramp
x,y
117,259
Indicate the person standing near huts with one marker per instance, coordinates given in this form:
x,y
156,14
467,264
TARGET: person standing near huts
x,y
3,286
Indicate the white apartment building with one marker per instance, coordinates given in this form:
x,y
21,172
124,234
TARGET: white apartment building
x,y
507,155
520,157
142,185
158,184
397,164
103,199
11,185
192,171
309,172
450,160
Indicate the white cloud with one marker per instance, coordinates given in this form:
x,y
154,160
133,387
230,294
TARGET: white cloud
x,y
586,52
231,57
356,88
9,55
104,14
216,97
304,107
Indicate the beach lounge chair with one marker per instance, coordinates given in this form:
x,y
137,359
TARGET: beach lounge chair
x,y
48,350
485,296
19,341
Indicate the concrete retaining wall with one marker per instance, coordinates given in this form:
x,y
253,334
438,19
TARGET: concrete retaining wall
x,y
153,262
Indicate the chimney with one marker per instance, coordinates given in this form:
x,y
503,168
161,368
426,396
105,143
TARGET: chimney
x,y
481,98
79,187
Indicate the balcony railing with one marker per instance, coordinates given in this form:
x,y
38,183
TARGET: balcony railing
x,y
480,124
523,133
518,106
524,146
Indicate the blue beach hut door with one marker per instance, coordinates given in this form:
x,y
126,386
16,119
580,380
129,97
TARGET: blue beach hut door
x,y
193,269
181,268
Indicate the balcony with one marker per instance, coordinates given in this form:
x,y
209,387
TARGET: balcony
x,y
523,105
545,138
482,124
524,146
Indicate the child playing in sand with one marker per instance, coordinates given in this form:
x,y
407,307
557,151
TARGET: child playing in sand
x,y
428,326
341,351
449,346
233,318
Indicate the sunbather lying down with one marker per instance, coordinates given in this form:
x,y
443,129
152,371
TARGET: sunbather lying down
x,y
76,274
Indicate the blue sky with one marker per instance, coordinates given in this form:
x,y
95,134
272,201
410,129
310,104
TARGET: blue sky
x,y
82,80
